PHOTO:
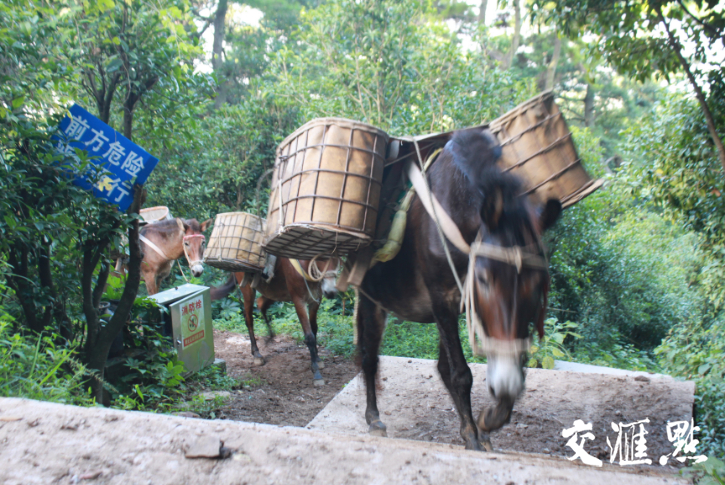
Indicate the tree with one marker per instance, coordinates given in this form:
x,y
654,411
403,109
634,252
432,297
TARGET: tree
x,y
644,38
119,52
391,64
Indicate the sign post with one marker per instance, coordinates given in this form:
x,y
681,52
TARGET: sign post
x,y
123,162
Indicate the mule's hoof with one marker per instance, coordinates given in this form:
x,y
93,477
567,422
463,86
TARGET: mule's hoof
x,y
258,361
486,443
320,365
378,428
319,382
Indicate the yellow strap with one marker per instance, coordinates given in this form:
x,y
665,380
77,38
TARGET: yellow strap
x,y
392,245
298,267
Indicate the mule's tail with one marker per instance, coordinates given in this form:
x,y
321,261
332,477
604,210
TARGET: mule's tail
x,y
223,290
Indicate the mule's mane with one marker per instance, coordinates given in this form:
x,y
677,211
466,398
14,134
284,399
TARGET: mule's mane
x,y
475,153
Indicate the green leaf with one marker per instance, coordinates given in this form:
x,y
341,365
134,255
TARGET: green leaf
x,y
18,102
114,64
547,362
557,353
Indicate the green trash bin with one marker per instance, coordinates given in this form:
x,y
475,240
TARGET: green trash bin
x,y
190,309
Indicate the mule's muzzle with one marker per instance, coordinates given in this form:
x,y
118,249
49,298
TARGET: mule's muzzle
x,y
505,377
197,270
328,288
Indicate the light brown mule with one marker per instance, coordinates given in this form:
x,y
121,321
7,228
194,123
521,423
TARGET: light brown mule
x,y
164,242
289,286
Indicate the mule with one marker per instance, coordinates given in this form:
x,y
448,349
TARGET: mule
x,y
166,241
289,286
418,284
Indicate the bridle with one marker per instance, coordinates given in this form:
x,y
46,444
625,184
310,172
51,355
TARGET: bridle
x,y
519,257
186,238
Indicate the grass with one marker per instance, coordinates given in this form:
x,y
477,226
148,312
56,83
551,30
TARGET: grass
x,y
336,332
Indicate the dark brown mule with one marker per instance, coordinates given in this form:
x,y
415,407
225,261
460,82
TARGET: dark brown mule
x,y
418,285
288,285
164,242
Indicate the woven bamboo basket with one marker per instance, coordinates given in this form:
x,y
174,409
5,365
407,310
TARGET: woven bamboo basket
x,y
236,243
326,189
537,146
155,214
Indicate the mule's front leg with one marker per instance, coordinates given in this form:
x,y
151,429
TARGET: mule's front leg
x,y
457,376
310,340
370,324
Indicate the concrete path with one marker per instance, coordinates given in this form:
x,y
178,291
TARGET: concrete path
x,y
414,404
44,443
598,369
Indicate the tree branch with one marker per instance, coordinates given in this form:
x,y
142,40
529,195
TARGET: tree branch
x,y
677,48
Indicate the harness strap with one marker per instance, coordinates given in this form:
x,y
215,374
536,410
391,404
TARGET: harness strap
x,y
434,208
300,270
154,246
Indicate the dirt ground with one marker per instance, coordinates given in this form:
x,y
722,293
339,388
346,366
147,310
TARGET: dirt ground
x,y
414,404
286,394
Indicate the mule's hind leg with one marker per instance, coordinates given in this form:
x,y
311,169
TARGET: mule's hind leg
x,y
370,325
310,339
467,428
248,294
263,304
313,307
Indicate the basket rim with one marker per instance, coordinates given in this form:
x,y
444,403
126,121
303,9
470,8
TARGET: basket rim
x,y
358,125
245,213
516,111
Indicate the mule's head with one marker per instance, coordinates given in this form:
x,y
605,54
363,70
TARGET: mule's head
x,y
193,240
329,268
511,280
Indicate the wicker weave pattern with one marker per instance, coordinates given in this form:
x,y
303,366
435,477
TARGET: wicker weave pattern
x,y
155,214
326,189
537,146
236,243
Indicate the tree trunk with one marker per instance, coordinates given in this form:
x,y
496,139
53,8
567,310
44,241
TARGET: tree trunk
x,y
677,48
551,68
217,48
18,280
100,338
589,107
482,13
508,60
128,122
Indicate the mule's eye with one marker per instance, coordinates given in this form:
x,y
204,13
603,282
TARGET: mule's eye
x,y
186,243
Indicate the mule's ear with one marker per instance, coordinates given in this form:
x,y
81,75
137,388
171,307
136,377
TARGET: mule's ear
x,y
185,224
492,208
550,213
205,225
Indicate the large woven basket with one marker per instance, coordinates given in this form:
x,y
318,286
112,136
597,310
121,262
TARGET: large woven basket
x,y
236,243
325,189
537,146
155,214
